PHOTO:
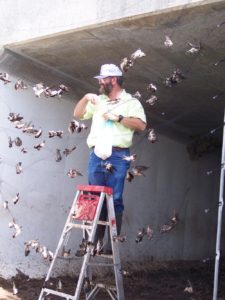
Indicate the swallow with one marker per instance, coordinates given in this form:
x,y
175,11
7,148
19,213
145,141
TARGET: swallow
x,y
14,117
38,89
67,151
72,173
6,204
4,77
16,227
176,77
15,289
58,155
76,126
48,92
152,136
152,88
26,249
149,232
168,42
130,157
18,142
220,24
65,253
189,289
129,176
140,234
20,85
219,61
10,142
59,285
137,95
119,238
109,167
16,198
38,134
138,170
194,48
152,100
170,225
126,64
64,87
44,252
53,133
19,125
39,146
19,168
137,54
23,150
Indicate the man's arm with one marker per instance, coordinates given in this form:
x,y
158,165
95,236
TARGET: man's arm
x,y
130,122
80,108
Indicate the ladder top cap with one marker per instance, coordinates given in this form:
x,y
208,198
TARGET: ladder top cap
x,y
95,188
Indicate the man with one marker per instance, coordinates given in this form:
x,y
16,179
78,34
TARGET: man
x,y
115,116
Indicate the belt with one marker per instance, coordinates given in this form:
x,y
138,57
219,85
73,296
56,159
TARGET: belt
x,y
115,148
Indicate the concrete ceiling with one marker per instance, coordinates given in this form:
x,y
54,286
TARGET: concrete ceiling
x,y
183,110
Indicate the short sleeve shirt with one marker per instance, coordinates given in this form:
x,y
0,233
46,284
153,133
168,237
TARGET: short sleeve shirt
x,y
126,106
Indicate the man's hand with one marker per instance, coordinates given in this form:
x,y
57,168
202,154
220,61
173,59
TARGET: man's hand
x,y
110,116
93,98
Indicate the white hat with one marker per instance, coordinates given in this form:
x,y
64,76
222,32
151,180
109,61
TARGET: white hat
x,y
108,70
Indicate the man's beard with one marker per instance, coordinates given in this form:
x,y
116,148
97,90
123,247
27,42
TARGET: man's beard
x,y
106,88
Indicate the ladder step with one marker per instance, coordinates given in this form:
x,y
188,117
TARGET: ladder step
x,y
100,264
54,292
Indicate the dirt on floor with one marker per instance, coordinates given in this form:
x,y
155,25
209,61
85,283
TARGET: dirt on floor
x,y
180,280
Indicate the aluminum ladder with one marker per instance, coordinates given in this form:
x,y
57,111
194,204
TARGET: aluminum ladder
x,y
84,214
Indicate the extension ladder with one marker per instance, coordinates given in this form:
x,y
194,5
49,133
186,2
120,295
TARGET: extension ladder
x,y
84,214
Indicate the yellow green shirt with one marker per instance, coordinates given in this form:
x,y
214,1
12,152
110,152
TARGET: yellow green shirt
x,y
126,105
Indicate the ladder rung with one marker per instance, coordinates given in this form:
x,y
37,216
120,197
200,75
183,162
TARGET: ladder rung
x,y
81,226
100,264
67,296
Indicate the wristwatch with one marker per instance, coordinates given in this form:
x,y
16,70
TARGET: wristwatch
x,y
120,118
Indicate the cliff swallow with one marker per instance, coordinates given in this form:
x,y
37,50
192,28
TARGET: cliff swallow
x,y
152,100
30,244
49,92
19,168
68,151
39,146
138,170
4,77
20,85
18,142
6,204
168,42
15,289
19,125
130,157
38,134
189,289
137,95
176,77
219,61
149,232
152,88
126,64
72,173
65,253
38,89
64,87
16,198
140,234
53,133
194,48
58,156
10,141
16,227
119,238
76,126
59,285
109,167
14,117
170,225
23,150
137,54
152,136
129,176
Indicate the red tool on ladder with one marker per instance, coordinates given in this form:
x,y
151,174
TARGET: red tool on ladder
x,y
84,214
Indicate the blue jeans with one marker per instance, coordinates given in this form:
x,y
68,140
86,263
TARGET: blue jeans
x,y
98,175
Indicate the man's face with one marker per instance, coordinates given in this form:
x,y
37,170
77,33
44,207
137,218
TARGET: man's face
x,y
106,85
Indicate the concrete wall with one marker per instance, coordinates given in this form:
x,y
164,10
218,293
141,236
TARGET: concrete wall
x,y
172,182
22,20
